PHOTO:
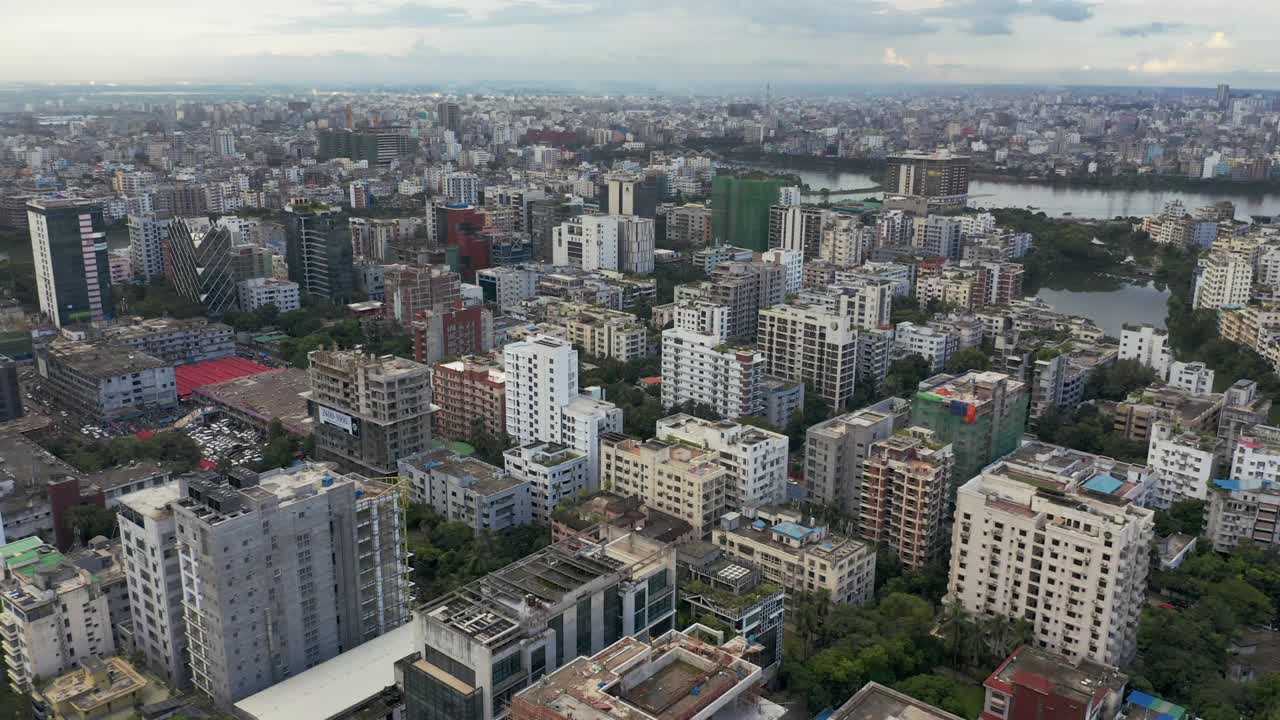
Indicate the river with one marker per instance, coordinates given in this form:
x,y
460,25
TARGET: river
x,y
1111,309
1057,201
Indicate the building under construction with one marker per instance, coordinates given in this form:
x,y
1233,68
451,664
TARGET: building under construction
x,y
483,643
677,676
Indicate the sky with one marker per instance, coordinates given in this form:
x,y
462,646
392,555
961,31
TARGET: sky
x,y
660,43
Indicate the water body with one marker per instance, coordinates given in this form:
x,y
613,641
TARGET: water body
x,y
1111,309
1057,201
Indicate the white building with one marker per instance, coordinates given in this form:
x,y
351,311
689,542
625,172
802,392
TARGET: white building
x,y
554,473
589,242
1031,544
793,262
1182,464
158,626
755,458
1244,506
934,345
462,187
1256,456
789,196
146,245
1193,377
939,236
256,292
468,490
703,317
846,241
1225,280
1149,346
700,369
507,286
808,344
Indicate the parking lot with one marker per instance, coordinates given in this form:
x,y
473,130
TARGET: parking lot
x,y
226,439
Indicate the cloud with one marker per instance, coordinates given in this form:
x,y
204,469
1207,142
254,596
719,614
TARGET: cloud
x,y
1157,66
892,58
1219,41
995,17
1151,28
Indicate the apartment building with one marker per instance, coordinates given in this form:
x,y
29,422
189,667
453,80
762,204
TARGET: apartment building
x,y
173,340
1242,407
958,287
689,225
745,288
555,473
1256,455
411,289
735,594
481,644
1224,280
846,242
797,227
104,382
934,345
368,411
465,392
147,234
157,627
507,286
807,344
792,261
799,558
677,478
1032,680
906,480
701,369
939,236
284,570
373,238
835,451
1194,377
589,242
1135,416
702,317
254,293
755,458
1058,545
999,283
981,414
468,490
55,615
601,332
1147,345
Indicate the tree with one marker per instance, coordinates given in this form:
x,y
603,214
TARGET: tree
x,y
968,359
88,521
905,375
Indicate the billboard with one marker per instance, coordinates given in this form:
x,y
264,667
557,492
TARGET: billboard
x,y
342,421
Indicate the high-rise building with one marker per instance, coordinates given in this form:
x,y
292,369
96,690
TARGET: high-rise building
x,y
745,288
482,643
689,226
545,216
697,368
223,142
755,458
981,414
369,412
462,187
410,289
1147,345
939,236
589,242
941,177
1244,506
1223,280
682,480
740,209
449,117
807,344
378,146
797,227
73,271
467,392
632,196
284,570
199,264
835,452
636,244
905,483
1182,462
1223,96
1243,407
319,252
158,627
147,235
10,391
1062,548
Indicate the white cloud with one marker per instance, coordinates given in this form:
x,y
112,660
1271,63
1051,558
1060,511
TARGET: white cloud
x,y
891,57
1219,41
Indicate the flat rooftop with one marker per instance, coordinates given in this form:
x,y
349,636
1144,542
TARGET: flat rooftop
x,y
103,360
478,476
30,468
1083,681
972,387
152,502
266,396
877,702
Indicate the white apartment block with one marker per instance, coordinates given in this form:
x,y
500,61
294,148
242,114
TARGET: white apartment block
x,y
146,245
703,317
1193,377
150,547
1031,544
699,368
1182,464
846,241
1225,280
589,242
507,286
755,458
582,423
792,261
939,236
553,471
1269,268
462,187
934,345
807,344
1256,456
679,479
979,224
467,490
1246,506
542,378
257,292
1149,346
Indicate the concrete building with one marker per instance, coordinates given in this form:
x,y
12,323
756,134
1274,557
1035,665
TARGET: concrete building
x,y
1243,507
284,570
372,239
1183,463
636,244
702,369
465,392
682,480
1243,407
103,382
807,344
939,236
369,412
480,645
174,340
877,701
735,594
703,317
199,264
755,458
508,286
934,345
798,558
1032,680
411,289
792,261
835,451
147,234
1028,524
10,391
1147,345
589,242
940,177
783,400
1193,377
319,251
1224,280
674,676
157,627
981,414
555,473
709,257
798,228
689,226
1256,455
56,615
101,689
745,288
254,293
468,490
73,271
906,480
601,332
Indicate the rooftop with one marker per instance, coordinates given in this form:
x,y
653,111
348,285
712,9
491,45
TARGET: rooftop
x,y
152,502
193,375
99,360
877,702
1083,681
95,687
266,396
973,387
474,474
30,468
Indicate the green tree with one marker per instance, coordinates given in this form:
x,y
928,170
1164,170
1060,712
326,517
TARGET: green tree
x,y
968,359
88,521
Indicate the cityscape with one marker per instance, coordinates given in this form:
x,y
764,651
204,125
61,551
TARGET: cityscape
x,y
400,401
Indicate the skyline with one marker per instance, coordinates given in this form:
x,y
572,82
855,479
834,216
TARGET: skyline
x,y
581,42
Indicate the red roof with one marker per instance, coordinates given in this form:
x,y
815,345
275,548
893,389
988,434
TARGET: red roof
x,y
208,372
144,435
207,464
655,380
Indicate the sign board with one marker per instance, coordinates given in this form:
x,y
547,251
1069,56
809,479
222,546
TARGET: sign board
x,y
339,420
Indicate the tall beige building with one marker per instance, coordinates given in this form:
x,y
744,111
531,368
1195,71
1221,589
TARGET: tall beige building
x,y
805,343
1042,536
836,449
904,494
677,478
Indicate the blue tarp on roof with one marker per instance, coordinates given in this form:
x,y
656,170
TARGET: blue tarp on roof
x,y
1103,483
1227,484
793,530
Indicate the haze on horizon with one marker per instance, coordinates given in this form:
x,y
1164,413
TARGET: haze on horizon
x,y
661,43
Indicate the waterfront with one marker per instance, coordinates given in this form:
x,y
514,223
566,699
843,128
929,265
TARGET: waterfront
x,y
1057,201
1111,309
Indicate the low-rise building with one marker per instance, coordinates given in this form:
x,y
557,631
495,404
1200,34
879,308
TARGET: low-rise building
x,y
555,473
622,511
285,295
678,478
468,490
875,701
101,689
1194,377
1032,679
735,596
103,382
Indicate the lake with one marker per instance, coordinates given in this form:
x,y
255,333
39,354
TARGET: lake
x,y
1111,309
1056,201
